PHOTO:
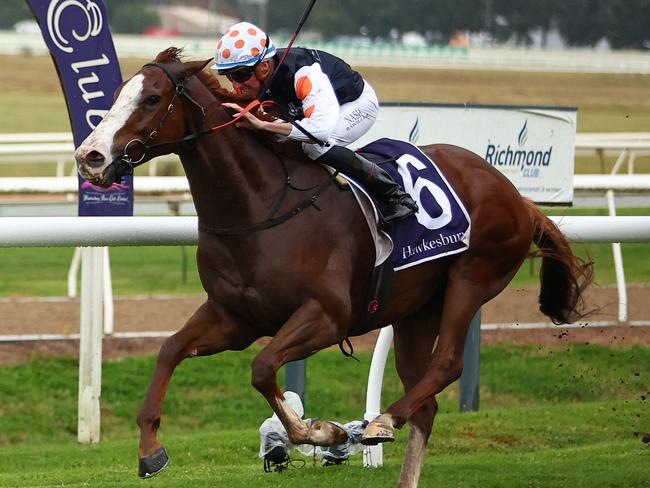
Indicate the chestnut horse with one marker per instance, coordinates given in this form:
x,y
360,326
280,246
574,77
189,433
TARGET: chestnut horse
x,y
305,282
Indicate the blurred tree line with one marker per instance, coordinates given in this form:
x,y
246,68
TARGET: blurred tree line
x,y
127,16
624,23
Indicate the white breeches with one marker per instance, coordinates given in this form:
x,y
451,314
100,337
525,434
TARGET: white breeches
x,y
355,119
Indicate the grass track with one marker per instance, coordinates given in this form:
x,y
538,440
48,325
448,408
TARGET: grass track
x,y
606,102
229,458
550,417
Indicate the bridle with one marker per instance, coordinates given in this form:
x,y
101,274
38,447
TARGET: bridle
x,y
125,164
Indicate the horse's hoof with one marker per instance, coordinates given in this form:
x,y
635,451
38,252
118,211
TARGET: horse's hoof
x,y
323,433
378,431
153,464
340,435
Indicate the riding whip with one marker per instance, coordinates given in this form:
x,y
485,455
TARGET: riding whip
x,y
267,83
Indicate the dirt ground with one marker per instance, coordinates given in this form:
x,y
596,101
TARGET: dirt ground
x,y
167,313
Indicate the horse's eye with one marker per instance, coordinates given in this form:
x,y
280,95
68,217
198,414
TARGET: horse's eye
x,y
152,101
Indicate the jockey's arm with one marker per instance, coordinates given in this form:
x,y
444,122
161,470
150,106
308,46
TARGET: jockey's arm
x,y
319,105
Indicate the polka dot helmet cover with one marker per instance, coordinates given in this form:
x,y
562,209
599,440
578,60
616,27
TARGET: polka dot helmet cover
x,y
243,44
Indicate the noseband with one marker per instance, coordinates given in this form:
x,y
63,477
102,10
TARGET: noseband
x,y
125,162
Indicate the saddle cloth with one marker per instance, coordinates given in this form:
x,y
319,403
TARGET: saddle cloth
x,y
442,225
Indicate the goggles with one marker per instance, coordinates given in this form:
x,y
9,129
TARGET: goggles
x,y
241,75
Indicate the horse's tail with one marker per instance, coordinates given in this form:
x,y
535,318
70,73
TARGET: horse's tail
x,y
563,275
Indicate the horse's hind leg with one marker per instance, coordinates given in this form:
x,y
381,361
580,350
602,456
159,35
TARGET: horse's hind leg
x,y
413,343
472,281
207,332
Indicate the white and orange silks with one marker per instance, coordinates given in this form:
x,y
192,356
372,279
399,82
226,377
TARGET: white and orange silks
x,y
323,116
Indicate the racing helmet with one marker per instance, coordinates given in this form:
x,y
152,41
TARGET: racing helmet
x,y
243,44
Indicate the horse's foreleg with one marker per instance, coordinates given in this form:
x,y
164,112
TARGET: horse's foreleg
x,y
206,332
309,330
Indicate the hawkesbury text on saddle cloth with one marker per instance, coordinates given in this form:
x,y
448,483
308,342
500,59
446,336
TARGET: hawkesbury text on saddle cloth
x,y
440,242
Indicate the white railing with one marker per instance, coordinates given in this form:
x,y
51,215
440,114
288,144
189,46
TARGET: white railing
x,y
179,184
625,146
59,153
70,184
172,231
50,147
58,147
375,54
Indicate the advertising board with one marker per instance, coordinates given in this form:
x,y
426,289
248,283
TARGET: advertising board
x,y
532,146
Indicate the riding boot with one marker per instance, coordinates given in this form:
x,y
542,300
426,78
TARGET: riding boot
x,y
398,204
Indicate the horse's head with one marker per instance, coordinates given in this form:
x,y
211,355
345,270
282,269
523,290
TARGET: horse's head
x,y
145,120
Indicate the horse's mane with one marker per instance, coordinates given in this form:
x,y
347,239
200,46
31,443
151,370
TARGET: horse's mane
x,y
211,82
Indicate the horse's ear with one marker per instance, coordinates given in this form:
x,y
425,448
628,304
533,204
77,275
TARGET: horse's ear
x,y
192,67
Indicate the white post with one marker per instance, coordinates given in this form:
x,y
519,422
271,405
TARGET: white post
x,y
618,265
108,293
619,161
373,456
60,167
72,273
630,163
90,345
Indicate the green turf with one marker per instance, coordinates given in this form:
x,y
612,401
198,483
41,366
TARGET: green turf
x,y
53,116
38,399
550,416
228,458
606,102
33,112
134,270
635,261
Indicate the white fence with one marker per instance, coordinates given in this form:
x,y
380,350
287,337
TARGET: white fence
x,y
57,147
178,184
172,231
383,54
49,147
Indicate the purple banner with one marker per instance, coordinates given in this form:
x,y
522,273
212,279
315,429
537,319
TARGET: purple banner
x,y
79,39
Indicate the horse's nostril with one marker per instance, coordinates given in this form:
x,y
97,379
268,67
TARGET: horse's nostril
x,y
95,159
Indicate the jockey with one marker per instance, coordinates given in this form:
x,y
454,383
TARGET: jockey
x,y
330,102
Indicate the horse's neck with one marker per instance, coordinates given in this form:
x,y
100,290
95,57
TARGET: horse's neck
x,y
232,176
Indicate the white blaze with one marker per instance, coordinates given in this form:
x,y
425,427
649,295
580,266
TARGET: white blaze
x,y
101,139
